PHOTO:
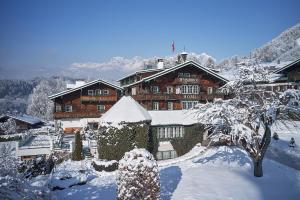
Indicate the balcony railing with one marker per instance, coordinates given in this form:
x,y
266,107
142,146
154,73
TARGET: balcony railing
x,y
98,98
200,96
60,115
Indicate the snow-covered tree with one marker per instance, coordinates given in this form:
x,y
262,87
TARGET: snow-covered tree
x,y
138,176
77,154
12,184
8,127
246,119
39,104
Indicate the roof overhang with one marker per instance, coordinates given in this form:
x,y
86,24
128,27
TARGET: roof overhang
x,y
84,86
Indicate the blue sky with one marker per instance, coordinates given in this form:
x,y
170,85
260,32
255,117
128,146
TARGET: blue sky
x,y
44,37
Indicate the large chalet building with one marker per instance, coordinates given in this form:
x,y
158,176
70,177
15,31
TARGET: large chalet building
x,y
286,77
84,104
179,87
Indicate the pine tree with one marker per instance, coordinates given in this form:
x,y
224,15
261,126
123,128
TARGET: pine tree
x,y
138,176
77,154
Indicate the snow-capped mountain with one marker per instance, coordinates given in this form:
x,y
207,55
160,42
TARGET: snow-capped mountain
x,y
285,46
108,69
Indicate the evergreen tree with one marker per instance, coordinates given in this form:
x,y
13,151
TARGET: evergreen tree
x,y
77,154
138,176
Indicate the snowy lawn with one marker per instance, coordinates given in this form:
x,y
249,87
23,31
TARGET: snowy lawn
x,y
219,173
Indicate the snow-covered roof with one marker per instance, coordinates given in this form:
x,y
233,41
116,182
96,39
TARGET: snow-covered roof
x,y
126,110
287,66
140,72
166,71
173,117
25,118
84,86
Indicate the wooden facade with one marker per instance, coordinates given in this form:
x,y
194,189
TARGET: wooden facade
x,y
179,88
88,101
137,76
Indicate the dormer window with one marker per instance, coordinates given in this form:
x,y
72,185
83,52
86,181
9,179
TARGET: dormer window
x,y
91,92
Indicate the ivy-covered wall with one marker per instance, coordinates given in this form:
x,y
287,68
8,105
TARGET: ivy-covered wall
x,y
192,135
114,142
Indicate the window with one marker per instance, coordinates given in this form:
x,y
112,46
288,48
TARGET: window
x,y
105,92
68,108
155,89
93,125
187,75
169,89
188,104
184,75
133,91
58,108
155,105
190,89
98,92
168,132
163,155
209,90
170,105
101,108
91,92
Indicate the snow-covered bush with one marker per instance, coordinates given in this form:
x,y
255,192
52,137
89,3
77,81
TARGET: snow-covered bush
x,y
35,167
107,166
12,184
138,176
8,127
113,141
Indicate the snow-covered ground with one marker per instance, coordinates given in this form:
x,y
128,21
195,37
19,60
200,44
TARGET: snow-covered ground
x,y
213,173
218,173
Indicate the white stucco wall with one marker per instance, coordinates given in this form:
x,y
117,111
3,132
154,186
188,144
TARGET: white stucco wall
x,y
75,122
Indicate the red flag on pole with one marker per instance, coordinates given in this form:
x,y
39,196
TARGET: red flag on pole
x,y
173,46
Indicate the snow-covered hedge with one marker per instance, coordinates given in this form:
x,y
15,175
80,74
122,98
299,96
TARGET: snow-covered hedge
x,y
138,176
113,141
108,166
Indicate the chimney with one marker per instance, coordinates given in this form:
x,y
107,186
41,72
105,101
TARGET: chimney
x,y
160,63
184,56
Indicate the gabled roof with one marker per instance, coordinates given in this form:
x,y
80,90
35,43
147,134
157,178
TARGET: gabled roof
x,y
25,118
140,72
84,86
166,71
126,110
287,66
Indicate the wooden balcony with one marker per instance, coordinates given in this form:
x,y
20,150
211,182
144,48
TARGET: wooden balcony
x,y
185,80
98,98
161,96
62,115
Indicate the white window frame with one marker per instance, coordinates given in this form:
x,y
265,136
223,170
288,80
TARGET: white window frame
x,y
133,91
210,90
90,92
170,105
155,89
155,105
190,89
101,108
98,92
58,108
68,108
188,104
169,89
